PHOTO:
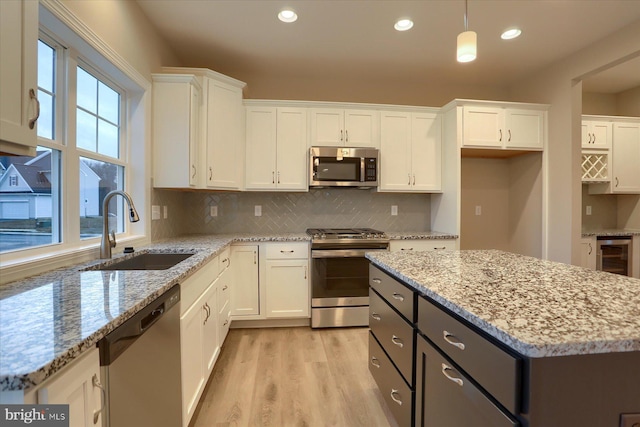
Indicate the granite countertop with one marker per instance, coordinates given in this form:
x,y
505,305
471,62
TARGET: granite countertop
x,y
611,232
538,308
48,320
419,235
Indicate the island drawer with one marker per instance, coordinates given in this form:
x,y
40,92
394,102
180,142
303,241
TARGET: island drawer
x,y
394,334
398,396
287,250
494,369
398,295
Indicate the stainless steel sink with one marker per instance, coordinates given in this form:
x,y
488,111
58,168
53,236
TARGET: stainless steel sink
x,y
146,261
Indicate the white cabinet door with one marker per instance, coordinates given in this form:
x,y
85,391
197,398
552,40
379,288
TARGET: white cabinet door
x,y
524,129
596,134
224,136
224,304
176,123
426,142
261,148
327,127
361,128
482,126
75,386
287,288
245,292
192,360
625,161
588,252
292,147
18,77
210,339
395,151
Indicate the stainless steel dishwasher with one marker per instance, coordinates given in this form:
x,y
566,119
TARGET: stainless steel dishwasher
x,y
140,367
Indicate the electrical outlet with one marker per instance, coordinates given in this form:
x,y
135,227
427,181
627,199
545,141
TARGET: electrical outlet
x,y
213,211
478,210
165,210
257,210
155,212
394,210
588,210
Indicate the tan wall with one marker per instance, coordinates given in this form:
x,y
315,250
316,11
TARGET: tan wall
x,y
604,210
525,204
123,26
629,211
628,103
556,86
600,104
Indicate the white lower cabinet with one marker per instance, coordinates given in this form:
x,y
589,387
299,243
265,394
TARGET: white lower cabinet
x,y
422,245
287,288
588,252
245,293
224,304
77,385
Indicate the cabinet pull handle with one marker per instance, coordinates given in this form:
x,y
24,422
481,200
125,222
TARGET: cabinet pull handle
x,y
439,248
194,171
273,177
590,249
225,322
394,392
32,121
225,287
594,138
346,132
509,140
414,179
406,249
446,368
376,280
375,362
210,173
397,341
409,175
590,138
446,336
254,257
617,182
500,135
286,252
96,383
341,136
228,261
278,177
305,272
398,296
208,310
376,316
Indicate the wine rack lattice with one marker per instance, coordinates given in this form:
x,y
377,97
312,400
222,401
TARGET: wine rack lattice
x,y
595,167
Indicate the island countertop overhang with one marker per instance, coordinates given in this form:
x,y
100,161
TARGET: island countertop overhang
x,y
537,308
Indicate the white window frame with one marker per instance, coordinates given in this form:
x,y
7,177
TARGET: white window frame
x,y
85,46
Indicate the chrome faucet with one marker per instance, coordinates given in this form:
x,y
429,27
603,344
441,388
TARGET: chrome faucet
x,y
109,239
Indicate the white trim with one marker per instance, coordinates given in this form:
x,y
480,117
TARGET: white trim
x,y
338,105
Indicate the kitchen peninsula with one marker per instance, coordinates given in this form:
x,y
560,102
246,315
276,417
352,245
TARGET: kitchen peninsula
x,y
505,339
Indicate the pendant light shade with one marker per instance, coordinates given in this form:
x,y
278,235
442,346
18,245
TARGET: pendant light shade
x,y
467,41
467,46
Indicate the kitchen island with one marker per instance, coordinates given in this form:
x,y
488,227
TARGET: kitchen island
x,y
547,344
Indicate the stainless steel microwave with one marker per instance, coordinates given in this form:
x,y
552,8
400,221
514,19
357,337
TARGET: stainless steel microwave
x,y
343,167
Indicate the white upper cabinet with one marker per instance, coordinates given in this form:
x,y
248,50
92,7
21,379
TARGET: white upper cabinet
x,y
344,128
626,158
596,134
276,139
410,152
503,127
225,136
176,125
19,108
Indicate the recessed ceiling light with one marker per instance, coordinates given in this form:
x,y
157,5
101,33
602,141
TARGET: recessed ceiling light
x,y
403,25
511,33
287,15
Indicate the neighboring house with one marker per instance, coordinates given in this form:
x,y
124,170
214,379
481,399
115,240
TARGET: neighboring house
x,y
25,188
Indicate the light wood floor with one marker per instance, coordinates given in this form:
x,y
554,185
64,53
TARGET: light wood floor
x,y
293,377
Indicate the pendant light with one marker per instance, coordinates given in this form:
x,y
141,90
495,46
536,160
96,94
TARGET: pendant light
x,y
467,41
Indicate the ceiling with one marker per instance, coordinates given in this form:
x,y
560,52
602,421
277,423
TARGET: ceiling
x,y
355,38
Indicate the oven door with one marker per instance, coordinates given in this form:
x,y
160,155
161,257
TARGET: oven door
x,y
339,277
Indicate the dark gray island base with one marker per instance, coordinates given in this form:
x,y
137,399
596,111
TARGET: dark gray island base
x,y
491,339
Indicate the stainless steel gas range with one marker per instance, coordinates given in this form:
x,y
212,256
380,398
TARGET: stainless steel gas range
x,y
340,275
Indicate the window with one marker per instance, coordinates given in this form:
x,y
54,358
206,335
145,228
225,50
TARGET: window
x,y
81,152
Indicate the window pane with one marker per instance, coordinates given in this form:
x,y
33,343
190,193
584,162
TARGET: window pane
x,y
96,180
107,139
29,200
108,103
46,60
86,130
45,121
87,91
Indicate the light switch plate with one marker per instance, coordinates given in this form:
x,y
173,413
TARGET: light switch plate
x,y
588,210
213,211
155,212
394,210
478,210
166,212
257,210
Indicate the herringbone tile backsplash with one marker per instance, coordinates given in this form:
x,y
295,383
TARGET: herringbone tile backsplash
x,y
290,212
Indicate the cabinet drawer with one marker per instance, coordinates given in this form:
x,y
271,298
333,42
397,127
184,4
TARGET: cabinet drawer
x,y
394,333
396,294
422,245
446,397
396,393
225,259
287,250
194,286
496,370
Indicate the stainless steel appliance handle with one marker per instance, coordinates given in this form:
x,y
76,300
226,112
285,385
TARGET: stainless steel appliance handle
x,y
342,253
